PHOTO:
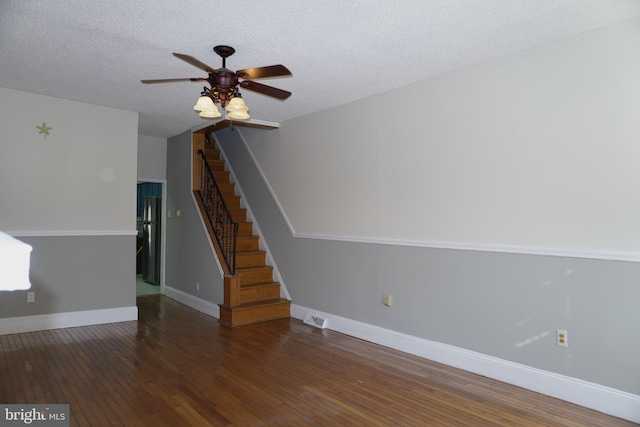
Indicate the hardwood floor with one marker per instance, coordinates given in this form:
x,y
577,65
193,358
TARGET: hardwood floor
x,y
178,367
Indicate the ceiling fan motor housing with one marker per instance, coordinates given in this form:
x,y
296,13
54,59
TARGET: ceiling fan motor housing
x,y
224,85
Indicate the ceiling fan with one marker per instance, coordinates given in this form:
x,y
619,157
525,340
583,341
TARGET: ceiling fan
x,y
225,83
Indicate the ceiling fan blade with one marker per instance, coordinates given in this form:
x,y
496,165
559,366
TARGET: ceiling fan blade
x,y
264,72
265,90
195,62
193,79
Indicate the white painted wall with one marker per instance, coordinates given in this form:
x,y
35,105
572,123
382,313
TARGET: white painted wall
x,y
536,151
73,180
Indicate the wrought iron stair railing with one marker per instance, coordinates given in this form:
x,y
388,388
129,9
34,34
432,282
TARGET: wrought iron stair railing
x,y
218,214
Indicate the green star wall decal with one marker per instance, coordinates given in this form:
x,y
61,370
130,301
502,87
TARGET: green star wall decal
x,y
44,129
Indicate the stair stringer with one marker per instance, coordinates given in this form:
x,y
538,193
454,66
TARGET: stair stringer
x,y
256,226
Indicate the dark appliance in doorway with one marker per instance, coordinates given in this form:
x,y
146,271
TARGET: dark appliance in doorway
x,y
151,227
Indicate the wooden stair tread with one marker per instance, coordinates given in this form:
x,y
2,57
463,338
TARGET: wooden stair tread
x,y
258,285
251,252
260,267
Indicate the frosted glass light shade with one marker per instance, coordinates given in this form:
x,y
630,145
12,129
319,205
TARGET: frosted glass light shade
x,y
239,115
204,103
236,104
211,113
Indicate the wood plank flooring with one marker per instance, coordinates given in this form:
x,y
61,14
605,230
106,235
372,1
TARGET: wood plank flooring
x,y
178,367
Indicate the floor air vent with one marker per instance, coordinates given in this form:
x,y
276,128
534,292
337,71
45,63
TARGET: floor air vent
x,y
315,321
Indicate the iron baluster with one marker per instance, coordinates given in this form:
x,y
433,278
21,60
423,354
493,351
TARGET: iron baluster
x,y
218,214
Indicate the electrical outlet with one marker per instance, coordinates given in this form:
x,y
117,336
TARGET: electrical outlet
x,y
562,339
386,300
31,296
197,286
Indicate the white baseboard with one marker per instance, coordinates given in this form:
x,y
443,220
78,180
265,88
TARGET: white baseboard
x,y
593,396
196,303
42,322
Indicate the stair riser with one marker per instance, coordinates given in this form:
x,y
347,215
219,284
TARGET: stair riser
x,y
236,317
247,244
262,275
226,188
259,293
221,177
232,201
212,154
245,229
244,260
216,165
238,215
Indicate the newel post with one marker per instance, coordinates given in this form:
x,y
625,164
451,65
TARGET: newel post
x,y
231,291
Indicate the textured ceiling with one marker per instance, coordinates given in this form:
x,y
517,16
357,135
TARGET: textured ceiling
x,y
337,50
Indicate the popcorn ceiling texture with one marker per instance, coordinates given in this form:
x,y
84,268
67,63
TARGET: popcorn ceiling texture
x,y
338,51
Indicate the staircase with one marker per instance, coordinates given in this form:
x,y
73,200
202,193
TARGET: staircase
x,y
250,295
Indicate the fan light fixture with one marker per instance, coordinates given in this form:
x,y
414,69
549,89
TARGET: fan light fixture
x,y
224,85
236,107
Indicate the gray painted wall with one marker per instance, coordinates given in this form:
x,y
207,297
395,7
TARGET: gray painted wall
x,y
70,195
190,258
76,273
504,305
152,158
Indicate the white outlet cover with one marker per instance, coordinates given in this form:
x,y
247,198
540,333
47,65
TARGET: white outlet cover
x,y
562,338
386,300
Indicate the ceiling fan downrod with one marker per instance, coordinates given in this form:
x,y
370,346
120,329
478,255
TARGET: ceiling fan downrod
x,y
224,52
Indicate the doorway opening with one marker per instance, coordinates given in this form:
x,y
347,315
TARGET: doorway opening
x,y
150,224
